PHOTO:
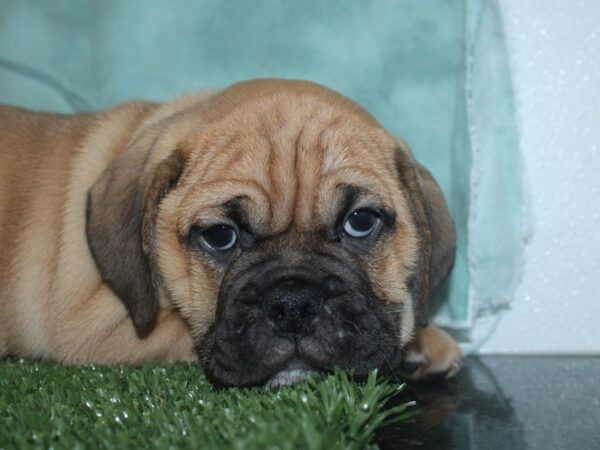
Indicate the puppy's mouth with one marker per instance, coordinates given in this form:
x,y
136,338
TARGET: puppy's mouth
x,y
280,334
295,372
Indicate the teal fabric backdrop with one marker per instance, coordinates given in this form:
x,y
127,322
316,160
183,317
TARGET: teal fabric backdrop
x,y
435,73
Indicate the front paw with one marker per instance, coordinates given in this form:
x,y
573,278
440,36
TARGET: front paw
x,y
432,355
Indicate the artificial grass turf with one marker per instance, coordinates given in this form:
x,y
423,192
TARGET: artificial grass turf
x,y
46,405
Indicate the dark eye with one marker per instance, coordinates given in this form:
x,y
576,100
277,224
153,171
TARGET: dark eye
x,y
360,223
220,237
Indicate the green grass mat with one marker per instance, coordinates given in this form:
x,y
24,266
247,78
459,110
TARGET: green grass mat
x,y
46,405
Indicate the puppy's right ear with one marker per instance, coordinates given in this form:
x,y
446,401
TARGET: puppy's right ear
x,y
435,228
121,213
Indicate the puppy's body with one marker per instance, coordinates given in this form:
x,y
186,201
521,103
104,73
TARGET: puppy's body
x,y
53,303
94,211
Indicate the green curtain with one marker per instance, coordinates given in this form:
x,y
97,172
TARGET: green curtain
x,y
434,72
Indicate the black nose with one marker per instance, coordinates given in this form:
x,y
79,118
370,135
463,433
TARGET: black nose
x,y
293,305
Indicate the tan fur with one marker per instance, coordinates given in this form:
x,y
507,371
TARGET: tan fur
x,y
288,162
434,354
53,303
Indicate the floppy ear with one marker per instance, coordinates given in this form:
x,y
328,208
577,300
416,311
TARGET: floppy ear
x,y
121,212
435,228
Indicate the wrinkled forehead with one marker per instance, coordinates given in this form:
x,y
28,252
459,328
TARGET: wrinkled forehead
x,y
291,159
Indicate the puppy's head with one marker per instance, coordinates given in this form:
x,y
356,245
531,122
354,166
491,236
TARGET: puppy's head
x,y
287,227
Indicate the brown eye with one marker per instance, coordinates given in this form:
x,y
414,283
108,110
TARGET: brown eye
x,y
360,223
220,237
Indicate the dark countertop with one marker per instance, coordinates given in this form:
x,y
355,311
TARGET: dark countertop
x,y
506,402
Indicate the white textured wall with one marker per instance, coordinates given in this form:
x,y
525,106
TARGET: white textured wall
x,y
555,57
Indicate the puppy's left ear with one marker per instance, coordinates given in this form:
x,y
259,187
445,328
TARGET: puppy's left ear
x,y
121,214
435,227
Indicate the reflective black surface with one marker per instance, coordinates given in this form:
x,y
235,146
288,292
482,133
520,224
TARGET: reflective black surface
x,y
506,402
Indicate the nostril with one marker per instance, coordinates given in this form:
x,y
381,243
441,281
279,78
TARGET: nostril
x,y
308,309
278,312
